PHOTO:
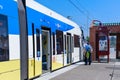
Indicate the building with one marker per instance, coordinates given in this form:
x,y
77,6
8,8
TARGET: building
x,y
114,30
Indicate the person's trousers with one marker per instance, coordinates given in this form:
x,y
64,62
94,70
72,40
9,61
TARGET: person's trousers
x,y
88,60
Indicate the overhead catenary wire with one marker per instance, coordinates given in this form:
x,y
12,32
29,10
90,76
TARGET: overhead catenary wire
x,y
81,11
87,12
84,12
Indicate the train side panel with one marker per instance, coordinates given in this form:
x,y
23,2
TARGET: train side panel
x,y
9,41
51,40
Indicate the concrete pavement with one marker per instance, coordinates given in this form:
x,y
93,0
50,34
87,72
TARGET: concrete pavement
x,y
48,76
79,71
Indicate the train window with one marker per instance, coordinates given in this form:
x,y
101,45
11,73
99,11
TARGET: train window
x,y
76,41
65,42
59,42
38,42
33,40
4,47
53,44
72,44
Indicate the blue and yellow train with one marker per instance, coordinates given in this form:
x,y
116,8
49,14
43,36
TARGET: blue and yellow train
x,y
53,40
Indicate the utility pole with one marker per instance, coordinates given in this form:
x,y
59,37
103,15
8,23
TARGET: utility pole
x,y
23,40
87,22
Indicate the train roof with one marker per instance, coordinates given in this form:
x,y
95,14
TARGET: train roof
x,y
40,8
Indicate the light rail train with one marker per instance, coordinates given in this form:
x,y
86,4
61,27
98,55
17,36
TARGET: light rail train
x,y
53,40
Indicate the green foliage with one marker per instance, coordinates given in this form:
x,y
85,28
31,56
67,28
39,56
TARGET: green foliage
x,y
87,38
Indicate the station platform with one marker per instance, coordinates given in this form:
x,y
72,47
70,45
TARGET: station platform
x,y
79,71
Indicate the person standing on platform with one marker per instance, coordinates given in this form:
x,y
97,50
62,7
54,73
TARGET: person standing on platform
x,y
87,53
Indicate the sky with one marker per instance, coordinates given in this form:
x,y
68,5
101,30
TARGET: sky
x,y
83,12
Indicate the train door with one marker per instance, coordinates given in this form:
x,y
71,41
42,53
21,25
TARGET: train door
x,y
80,54
60,47
65,51
68,48
46,51
34,53
77,47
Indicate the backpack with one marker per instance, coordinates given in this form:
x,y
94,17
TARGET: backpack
x,y
87,51
87,54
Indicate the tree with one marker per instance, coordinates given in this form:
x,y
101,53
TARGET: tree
x,y
87,38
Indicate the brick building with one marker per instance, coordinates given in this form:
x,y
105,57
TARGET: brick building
x,y
114,30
